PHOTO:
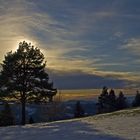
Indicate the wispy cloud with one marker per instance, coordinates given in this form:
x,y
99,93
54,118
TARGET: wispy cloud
x,y
132,45
73,35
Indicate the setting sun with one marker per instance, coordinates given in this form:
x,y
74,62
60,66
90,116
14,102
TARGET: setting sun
x,y
16,44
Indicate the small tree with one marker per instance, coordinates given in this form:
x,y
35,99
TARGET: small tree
x,y
112,100
136,101
79,111
121,101
6,116
31,120
21,75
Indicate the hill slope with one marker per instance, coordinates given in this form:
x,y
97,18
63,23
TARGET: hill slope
x,y
112,126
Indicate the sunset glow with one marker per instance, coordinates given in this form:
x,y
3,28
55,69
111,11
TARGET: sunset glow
x,y
88,39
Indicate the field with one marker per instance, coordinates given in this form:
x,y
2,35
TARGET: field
x,y
87,94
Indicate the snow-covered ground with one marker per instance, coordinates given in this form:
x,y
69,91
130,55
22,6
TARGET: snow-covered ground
x,y
122,125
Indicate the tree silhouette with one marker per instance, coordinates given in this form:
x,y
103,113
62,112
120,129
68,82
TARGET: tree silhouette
x,y
79,111
112,100
108,102
6,116
121,101
103,101
136,101
31,120
23,75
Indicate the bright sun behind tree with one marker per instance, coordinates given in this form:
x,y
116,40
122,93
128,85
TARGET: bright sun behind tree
x,y
16,44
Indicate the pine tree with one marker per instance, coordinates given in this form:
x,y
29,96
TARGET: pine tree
x,y
112,100
102,104
121,101
79,111
136,101
21,75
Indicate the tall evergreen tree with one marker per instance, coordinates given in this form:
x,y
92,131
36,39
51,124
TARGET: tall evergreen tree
x,y
112,100
21,75
103,101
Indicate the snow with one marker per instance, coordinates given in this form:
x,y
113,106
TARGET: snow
x,y
37,79
37,89
4,88
119,126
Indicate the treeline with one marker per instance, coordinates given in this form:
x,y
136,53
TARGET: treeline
x,y
109,101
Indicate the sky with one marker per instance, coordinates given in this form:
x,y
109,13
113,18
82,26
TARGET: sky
x,y
87,43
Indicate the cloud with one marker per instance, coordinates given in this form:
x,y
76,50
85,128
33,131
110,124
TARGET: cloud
x,y
97,79
79,79
73,37
118,34
129,76
132,45
18,22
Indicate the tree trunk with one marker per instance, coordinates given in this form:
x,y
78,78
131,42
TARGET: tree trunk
x,y
23,104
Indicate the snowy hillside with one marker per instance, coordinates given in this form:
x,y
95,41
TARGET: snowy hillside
x,y
121,125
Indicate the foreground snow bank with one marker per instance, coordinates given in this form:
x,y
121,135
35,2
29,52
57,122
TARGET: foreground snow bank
x,y
117,126
124,124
